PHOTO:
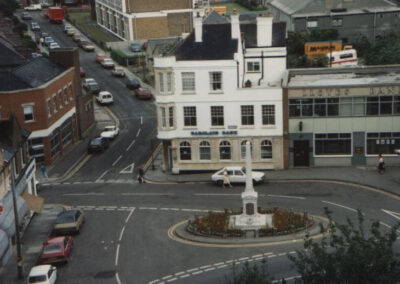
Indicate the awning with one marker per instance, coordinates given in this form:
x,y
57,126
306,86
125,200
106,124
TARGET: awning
x,y
35,203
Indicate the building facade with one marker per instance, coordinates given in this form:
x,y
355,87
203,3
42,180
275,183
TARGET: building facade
x,y
352,19
343,117
44,103
220,88
144,19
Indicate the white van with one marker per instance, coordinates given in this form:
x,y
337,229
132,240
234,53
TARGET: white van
x,y
42,274
34,7
104,97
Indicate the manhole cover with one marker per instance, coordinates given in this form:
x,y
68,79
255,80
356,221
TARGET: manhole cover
x,y
105,274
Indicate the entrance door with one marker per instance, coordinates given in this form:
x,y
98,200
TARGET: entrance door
x,y
301,153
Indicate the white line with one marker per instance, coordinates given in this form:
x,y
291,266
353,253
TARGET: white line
x,y
259,258
117,277
270,256
116,256
222,266
137,134
172,279
130,145
338,205
83,194
243,258
154,281
384,224
191,270
391,213
117,160
184,276
129,216
166,277
143,193
286,196
219,263
257,255
148,208
179,273
122,233
216,194
281,254
209,269
105,172
141,120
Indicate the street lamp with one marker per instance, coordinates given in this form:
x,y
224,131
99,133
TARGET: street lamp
x,y
152,155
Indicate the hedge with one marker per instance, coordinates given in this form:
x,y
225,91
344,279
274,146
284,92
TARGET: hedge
x,y
123,59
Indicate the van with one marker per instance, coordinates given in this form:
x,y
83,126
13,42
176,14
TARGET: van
x,y
104,97
45,274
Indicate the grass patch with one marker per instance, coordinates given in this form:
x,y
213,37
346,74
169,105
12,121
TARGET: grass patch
x,y
230,6
90,28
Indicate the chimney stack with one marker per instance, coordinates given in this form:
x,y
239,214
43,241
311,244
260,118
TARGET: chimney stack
x,y
235,26
198,28
264,30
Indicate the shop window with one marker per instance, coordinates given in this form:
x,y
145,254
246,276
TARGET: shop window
x,y
359,106
332,144
217,115
185,151
205,150
372,106
225,150
268,115
345,107
319,107
247,114
66,132
36,149
54,143
385,106
266,149
383,143
189,115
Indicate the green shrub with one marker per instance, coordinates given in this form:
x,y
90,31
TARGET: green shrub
x,y
123,59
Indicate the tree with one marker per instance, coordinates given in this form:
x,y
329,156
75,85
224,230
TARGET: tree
x,y
323,35
346,254
8,7
385,50
255,274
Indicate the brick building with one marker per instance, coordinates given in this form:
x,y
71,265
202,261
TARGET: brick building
x,y
46,103
144,19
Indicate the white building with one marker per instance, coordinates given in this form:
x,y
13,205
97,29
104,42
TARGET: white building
x,y
220,88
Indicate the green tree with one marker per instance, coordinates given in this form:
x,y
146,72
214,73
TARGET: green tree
x,y
8,7
323,35
295,42
385,50
251,274
347,254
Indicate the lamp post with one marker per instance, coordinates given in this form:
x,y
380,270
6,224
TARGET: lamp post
x,y
152,155
20,259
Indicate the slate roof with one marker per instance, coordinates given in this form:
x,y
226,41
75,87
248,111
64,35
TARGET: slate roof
x,y
157,46
30,75
9,58
215,18
250,34
217,44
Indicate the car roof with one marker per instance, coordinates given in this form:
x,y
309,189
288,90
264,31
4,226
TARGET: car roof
x,y
105,93
55,240
72,211
39,270
233,168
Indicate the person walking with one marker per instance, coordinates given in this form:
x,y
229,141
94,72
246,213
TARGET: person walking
x,y
140,176
43,169
227,181
381,165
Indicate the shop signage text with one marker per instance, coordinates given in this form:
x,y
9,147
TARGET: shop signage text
x,y
224,132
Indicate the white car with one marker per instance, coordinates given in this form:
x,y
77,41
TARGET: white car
x,y
236,175
107,63
42,274
104,97
33,7
110,132
397,151
54,45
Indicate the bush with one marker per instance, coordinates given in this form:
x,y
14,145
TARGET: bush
x,y
124,59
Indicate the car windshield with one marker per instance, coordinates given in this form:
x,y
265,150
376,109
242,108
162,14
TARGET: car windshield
x,y
37,279
111,128
52,248
92,83
95,142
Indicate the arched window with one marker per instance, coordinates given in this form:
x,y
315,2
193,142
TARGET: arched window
x,y
225,150
185,151
243,149
205,150
266,149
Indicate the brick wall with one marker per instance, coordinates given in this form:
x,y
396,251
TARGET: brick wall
x,y
179,23
150,27
137,6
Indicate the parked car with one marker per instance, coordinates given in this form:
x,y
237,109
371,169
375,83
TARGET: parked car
x,y
42,274
33,7
66,28
86,82
71,32
26,16
35,26
56,250
82,72
143,93
76,37
68,222
35,55
135,47
86,46
110,132
107,63
98,144
100,57
53,45
47,40
132,84
105,98
236,175
91,86
118,72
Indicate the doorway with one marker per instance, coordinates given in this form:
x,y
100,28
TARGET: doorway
x,y
301,153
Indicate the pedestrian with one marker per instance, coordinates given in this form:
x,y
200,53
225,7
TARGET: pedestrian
x,y
43,169
381,164
140,176
227,181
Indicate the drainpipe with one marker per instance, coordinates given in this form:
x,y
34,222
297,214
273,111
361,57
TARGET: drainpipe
x,y
237,71
262,68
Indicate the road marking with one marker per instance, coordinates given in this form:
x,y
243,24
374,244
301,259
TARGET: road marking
x,y
117,160
117,277
100,177
216,194
209,269
130,145
184,276
342,206
205,266
116,256
384,224
166,277
179,273
138,133
147,193
391,213
128,169
82,194
148,208
172,279
191,270
218,263
154,281
222,266
141,120
122,233
256,255
129,216
286,196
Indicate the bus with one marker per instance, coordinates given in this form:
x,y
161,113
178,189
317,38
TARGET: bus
x,y
343,58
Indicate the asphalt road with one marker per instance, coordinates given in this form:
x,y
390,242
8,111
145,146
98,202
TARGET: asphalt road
x,y
125,235
137,118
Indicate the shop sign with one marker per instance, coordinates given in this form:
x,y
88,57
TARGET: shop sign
x,y
199,133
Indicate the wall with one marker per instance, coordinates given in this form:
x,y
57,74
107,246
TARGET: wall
x,y
154,27
179,23
138,6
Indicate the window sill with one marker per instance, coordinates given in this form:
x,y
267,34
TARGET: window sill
x,y
189,128
188,93
217,92
271,126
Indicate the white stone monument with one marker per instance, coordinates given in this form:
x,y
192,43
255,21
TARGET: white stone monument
x,y
250,219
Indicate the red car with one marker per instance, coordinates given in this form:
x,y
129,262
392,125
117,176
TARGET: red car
x,y
100,57
143,93
82,72
56,250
